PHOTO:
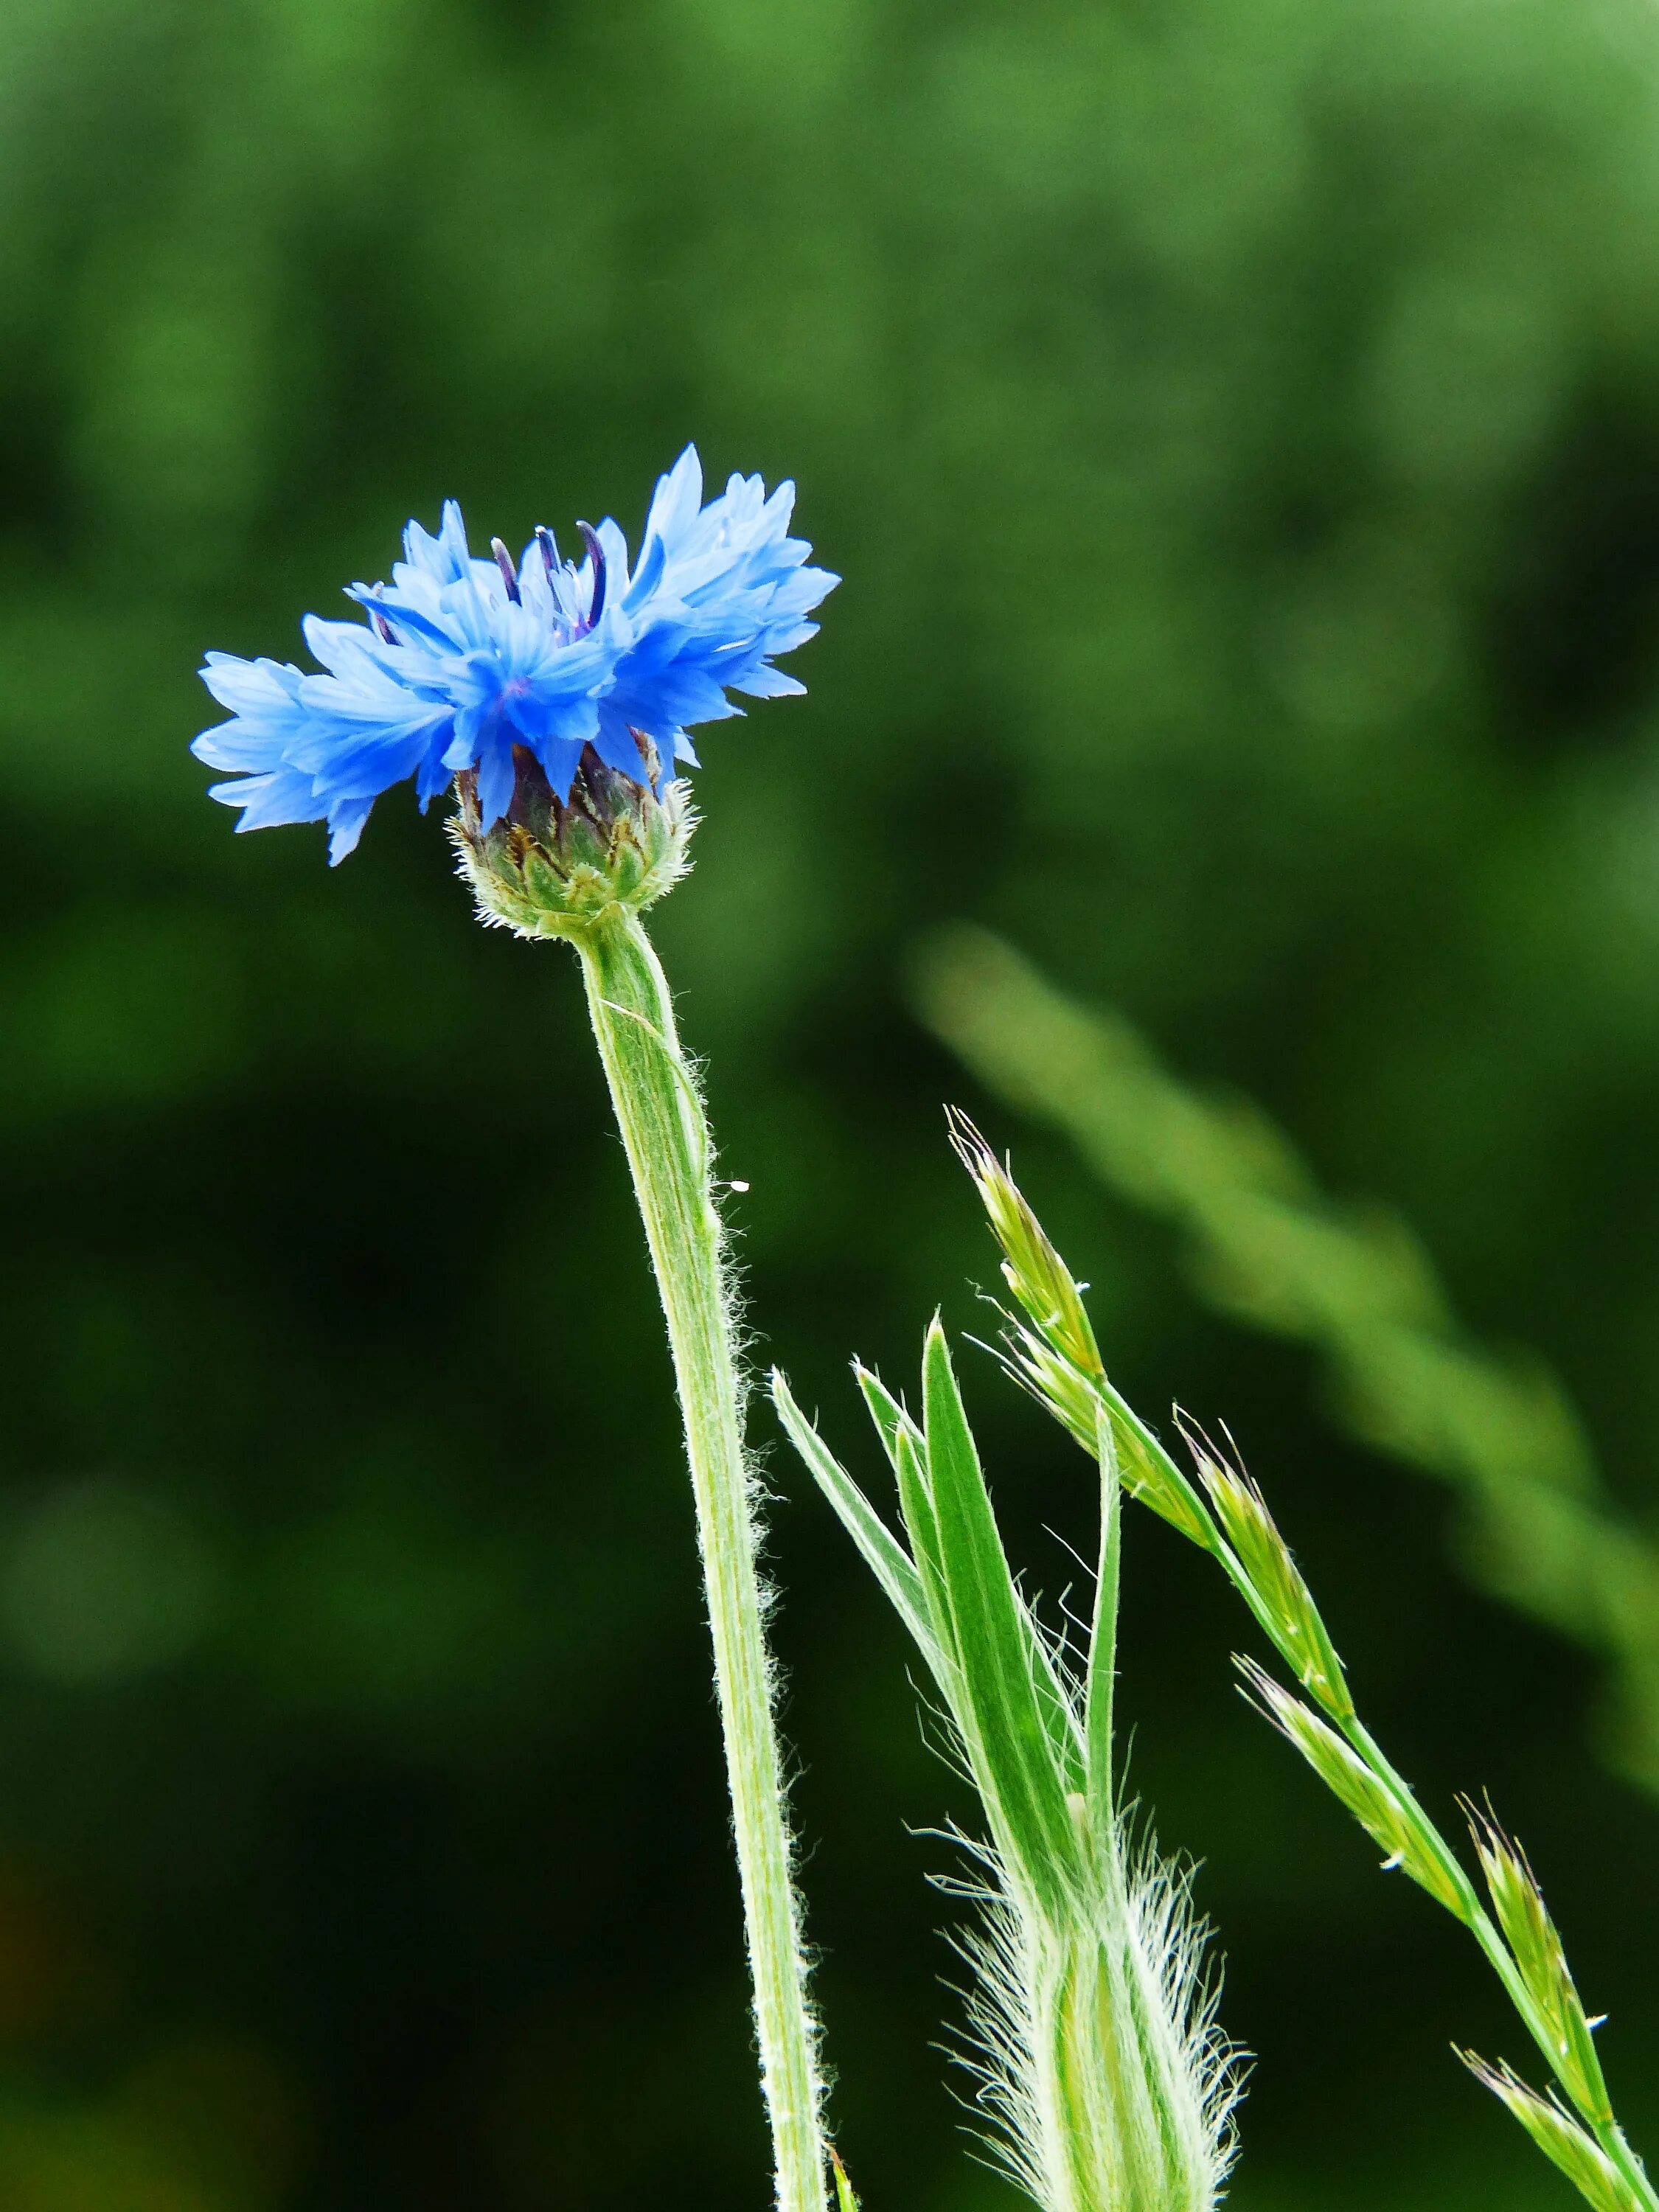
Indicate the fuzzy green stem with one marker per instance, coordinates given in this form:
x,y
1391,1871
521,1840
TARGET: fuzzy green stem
x,y
665,1134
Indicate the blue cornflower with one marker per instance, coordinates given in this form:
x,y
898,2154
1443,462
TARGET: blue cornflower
x,y
463,661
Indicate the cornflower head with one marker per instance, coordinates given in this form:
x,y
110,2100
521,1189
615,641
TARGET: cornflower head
x,y
557,696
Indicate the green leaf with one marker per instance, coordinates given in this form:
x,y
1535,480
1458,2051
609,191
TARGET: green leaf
x,y
1103,1640
902,1441
1054,1702
890,1417
905,1445
883,1555
1006,1715
921,1526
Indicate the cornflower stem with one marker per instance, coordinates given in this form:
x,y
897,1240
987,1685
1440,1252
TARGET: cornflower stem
x,y
665,1132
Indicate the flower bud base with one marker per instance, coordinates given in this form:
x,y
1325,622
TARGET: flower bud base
x,y
554,867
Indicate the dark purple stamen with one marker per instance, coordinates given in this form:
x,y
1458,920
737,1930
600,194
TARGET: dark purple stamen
x,y
382,627
509,574
596,553
550,546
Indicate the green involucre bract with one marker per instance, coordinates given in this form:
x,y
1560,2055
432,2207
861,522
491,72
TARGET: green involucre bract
x,y
559,867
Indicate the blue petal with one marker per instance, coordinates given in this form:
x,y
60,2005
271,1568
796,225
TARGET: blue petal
x,y
404,619
345,826
497,777
722,588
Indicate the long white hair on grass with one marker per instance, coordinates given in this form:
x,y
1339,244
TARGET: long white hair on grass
x,y
1103,2082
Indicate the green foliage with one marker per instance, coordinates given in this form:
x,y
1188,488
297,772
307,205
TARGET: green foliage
x,y
1236,421
1016,1742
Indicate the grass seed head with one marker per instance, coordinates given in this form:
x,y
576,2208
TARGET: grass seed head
x,y
1536,1947
1054,1382
1351,1782
1250,1529
1035,1273
1560,2136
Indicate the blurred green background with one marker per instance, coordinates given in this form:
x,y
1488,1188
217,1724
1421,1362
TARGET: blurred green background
x,y
1237,423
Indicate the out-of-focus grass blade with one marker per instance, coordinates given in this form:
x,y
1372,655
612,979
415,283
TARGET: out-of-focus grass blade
x,y
888,1561
1010,1737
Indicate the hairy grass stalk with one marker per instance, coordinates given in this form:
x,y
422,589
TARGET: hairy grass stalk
x,y
665,1134
1103,2080
1052,1351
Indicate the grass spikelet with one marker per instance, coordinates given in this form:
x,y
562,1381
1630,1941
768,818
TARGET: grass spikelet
x,y
1353,1782
1269,1247
1253,1534
1561,2138
1035,1273
1536,1947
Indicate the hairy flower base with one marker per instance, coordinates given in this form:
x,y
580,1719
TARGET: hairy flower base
x,y
557,868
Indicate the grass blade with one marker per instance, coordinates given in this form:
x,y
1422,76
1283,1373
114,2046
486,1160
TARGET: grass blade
x,y
886,1557
1006,1715
1102,1643
890,1417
